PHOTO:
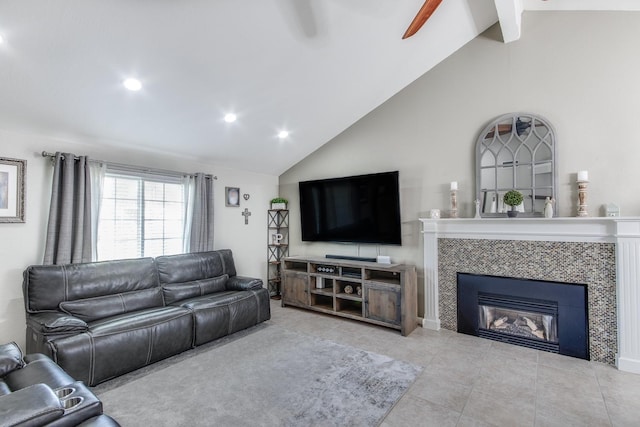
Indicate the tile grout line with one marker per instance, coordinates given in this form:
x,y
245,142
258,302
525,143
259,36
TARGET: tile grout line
x,y
535,405
604,399
461,413
473,387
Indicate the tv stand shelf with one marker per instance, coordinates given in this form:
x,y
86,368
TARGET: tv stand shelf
x,y
382,294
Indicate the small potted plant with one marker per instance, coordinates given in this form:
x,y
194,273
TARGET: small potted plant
x,y
279,203
512,198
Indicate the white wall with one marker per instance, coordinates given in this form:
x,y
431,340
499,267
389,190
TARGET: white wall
x,y
577,69
23,244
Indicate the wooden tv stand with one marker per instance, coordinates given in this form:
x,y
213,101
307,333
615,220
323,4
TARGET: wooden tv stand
x,y
388,298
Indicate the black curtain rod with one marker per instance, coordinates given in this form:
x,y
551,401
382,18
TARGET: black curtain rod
x,y
134,168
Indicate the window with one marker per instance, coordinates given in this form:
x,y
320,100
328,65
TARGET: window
x,y
140,216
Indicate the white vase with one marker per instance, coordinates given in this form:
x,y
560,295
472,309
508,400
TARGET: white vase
x,y
275,206
548,209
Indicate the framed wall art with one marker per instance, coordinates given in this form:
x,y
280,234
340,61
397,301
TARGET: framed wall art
x,y
12,177
232,197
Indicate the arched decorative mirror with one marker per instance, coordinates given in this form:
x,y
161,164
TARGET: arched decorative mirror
x,y
516,151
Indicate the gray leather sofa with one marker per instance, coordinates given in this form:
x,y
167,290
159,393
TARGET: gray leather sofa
x,y
34,391
103,319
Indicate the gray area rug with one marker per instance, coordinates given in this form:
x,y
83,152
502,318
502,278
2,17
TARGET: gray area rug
x,y
265,376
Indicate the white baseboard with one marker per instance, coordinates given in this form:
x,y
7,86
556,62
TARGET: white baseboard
x,y
628,365
433,324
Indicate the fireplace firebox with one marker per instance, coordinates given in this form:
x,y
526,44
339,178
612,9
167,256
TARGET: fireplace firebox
x,y
549,316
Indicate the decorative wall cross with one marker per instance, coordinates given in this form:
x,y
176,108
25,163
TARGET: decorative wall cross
x,y
246,214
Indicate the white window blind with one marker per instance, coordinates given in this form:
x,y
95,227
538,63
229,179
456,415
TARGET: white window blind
x,y
140,216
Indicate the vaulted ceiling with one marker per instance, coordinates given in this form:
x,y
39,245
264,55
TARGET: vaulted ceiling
x,y
310,67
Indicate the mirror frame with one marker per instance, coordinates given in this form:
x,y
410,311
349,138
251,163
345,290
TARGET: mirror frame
x,y
482,147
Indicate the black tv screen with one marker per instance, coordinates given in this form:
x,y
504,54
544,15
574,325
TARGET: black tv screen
x,y
358,209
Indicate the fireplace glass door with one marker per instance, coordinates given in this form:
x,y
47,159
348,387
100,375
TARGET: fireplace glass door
x,y
533,323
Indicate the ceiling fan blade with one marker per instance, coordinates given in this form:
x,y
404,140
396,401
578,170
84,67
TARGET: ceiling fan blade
x,y
424,13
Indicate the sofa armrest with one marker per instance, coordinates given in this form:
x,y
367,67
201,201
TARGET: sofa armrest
x,y
56,323
11,358
240,283
36,405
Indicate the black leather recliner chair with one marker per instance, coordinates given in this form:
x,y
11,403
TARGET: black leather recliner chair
x,y
34,391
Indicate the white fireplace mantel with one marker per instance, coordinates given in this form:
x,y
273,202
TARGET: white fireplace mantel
x,y
624,232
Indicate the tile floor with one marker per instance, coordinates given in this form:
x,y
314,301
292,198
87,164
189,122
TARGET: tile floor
x,y
469,381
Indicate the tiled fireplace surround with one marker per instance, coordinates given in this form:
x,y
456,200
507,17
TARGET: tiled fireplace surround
x,y
603,253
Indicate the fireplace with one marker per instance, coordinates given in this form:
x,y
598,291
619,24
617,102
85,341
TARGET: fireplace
x,y
544,315
603,253
531,323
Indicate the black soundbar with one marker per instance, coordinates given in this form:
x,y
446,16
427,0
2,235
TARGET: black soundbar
x,y
352,258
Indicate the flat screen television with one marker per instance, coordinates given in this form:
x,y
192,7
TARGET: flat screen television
x,y
355,209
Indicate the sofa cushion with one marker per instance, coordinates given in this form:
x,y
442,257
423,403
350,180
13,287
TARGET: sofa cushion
x,y
181,291
140,319
89,309
120,344
46,286
10,358
195,266
214,300
223,313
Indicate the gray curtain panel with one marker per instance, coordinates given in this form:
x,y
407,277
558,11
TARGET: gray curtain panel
x,y
69,228
201,238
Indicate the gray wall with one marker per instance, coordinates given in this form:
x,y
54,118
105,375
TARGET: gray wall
x,y
580,70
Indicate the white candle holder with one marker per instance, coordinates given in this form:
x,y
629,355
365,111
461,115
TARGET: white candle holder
x,y
454,203
582,198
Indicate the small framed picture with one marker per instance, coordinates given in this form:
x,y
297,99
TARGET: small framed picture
x,y
232,197
12,176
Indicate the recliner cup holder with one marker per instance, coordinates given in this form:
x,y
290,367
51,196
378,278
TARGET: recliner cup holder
x,y
64,392
71,403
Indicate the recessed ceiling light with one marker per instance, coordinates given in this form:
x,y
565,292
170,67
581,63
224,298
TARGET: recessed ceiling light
x,y
283,134
230,118
132,84
1,39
